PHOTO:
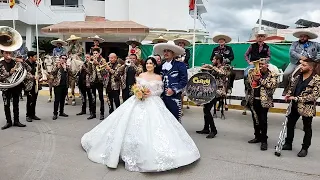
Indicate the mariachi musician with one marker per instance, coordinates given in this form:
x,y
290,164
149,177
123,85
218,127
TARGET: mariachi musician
x,y
98,80
32,86
217,70
227,53
303,92
263,84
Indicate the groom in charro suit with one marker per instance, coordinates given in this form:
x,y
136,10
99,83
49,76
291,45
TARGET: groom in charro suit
x,y
174,75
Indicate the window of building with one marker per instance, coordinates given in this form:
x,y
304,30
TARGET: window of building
x,y
69,3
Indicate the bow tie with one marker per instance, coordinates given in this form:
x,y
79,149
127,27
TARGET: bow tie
x,y
167,66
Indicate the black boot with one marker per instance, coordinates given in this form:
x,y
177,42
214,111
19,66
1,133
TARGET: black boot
x,y
35,117
92,116
101,117
254,141
6,126
18,124
287,147
81,113
29,119
63,115
264,146
55,117
203,131
212,134
303,153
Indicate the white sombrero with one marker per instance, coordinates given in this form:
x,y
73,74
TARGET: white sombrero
x,y
160,47
97,38
133,42
159,40
55,42
311,35
261,32
186,42
73,37
221,36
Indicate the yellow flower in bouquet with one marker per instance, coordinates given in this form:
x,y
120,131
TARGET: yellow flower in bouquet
x,y
140,91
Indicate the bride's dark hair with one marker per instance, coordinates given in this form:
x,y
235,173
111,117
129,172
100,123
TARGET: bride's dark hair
x,y
154,61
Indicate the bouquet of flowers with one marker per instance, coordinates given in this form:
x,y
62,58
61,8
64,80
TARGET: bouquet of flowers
x,y
140,91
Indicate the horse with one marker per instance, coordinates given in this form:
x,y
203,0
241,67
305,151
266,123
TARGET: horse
x,y
74,62
48,64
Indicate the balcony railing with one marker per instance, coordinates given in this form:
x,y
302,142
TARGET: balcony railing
x,y
68,8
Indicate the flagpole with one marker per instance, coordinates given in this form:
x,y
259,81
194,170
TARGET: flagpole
x,y
260,18
194,32
37,39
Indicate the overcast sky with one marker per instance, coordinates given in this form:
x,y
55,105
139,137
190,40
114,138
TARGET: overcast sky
x,y
238,17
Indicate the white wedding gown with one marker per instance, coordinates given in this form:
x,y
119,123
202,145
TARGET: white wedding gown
x,y
144,134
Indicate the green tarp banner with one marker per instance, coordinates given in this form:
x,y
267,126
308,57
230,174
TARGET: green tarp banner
x,y
279,54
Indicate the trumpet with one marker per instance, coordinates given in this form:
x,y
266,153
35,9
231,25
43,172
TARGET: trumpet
x,y
101,67
253,72
128,62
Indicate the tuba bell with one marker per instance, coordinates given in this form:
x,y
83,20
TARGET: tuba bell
x,y
252,72
11,40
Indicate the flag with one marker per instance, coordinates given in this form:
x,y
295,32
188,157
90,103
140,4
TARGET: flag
x,y
12,3
191,5
37,2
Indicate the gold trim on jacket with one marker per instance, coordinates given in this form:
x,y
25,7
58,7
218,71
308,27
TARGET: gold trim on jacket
x,y
115,76
267,89
308,97
57,75
220,75
30,81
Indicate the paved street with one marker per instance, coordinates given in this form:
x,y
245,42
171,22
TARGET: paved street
x,y
51,150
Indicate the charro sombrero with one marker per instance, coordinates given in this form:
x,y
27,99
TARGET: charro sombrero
x,y
133,41
73,37
186,42
221,36
55,42
160,47
159,40
97,38
261,32
311,35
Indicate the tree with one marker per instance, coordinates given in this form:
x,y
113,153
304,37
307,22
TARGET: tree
x,y
44,45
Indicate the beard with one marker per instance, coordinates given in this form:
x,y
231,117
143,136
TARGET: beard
x,y
304,71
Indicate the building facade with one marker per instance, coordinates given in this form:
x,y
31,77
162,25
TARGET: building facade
x,y
171,17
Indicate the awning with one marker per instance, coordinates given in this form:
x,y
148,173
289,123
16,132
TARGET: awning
x,y
96,27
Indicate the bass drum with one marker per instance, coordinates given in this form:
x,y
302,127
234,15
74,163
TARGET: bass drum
x,y
201,88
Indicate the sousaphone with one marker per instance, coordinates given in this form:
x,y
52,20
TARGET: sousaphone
x,y
11,40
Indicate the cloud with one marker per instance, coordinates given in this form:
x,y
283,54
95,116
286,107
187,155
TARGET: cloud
x,y
237,17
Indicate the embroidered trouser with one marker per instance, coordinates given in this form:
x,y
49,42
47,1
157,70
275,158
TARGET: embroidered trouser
x,y
261,124
60,93
7,95
84,92
31,102
307,127
94,88
174,105
208,118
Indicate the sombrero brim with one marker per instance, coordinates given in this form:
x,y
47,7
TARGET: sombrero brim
x,y
155,41
95,38
74,38
55,42
186,42
310,34
225,37
159,48
133,42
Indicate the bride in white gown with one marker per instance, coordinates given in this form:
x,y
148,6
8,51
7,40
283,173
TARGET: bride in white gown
x,y
144,134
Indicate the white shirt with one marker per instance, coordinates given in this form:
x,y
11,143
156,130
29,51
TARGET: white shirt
x,y
167,65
